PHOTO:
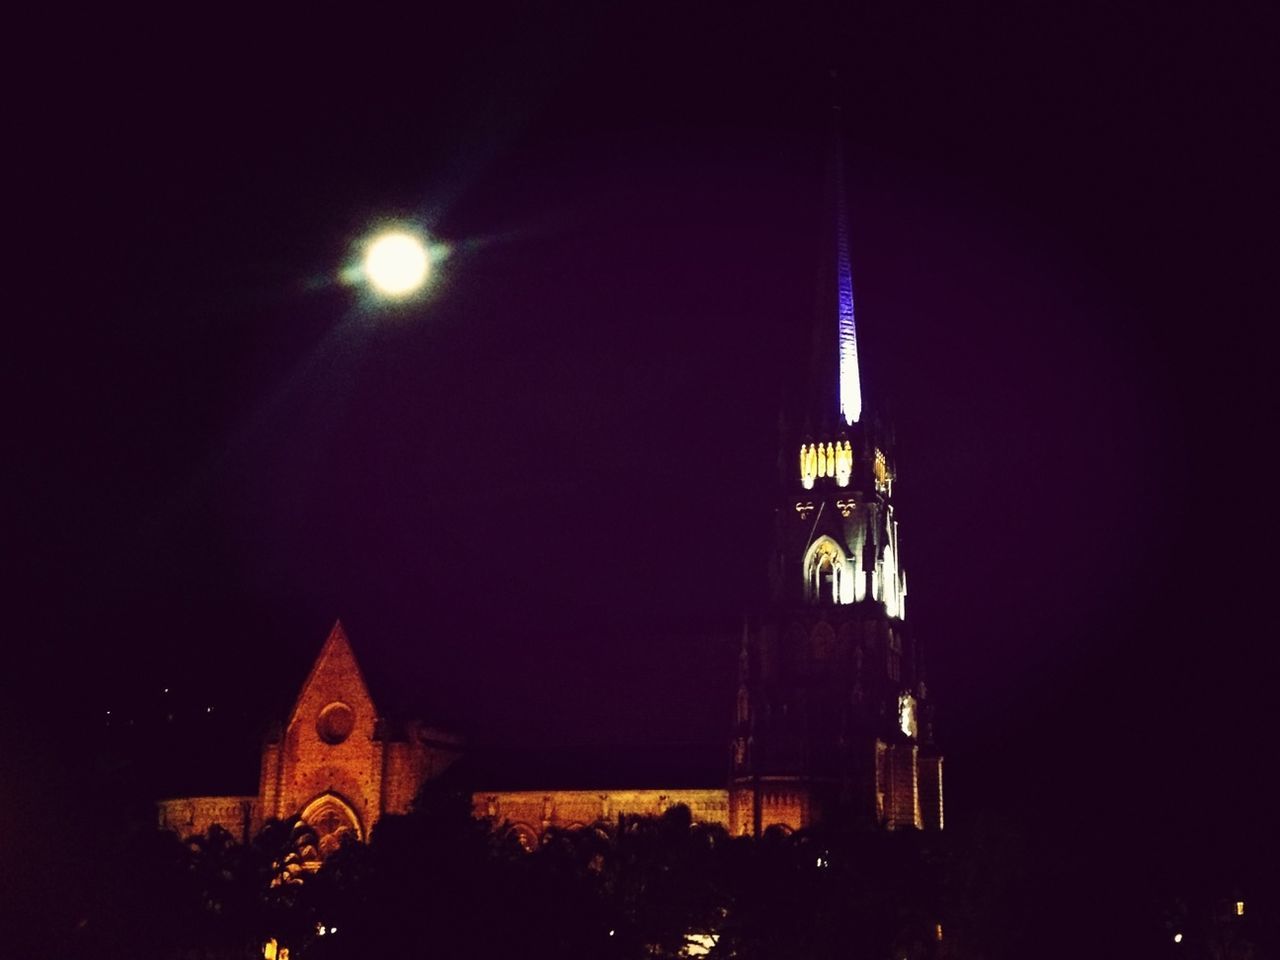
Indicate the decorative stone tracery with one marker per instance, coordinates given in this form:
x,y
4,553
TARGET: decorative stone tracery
x,y
333,820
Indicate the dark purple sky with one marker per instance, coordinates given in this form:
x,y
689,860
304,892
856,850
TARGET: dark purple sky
x,y
539,498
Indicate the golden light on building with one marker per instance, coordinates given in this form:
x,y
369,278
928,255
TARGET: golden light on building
x,y
1239,908
880,468
1177,938
907,715
830,459
844,463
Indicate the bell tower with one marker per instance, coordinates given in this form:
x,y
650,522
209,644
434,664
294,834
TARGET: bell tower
x,y
832,718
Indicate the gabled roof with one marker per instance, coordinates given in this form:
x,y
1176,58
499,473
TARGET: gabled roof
x,y
335,655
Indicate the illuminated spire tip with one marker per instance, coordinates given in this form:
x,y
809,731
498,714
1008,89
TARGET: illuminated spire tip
x,y
850,381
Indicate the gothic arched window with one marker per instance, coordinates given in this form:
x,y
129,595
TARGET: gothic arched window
x,y
333,820
824,571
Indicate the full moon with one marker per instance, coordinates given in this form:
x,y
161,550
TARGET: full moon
x,y
396,263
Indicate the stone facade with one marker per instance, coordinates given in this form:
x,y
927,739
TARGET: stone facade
x,y
340,766
336,763
530,813
192,816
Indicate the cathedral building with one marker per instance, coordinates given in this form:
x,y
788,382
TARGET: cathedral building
x,y
831,719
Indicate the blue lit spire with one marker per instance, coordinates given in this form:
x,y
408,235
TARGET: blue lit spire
x,y
850,381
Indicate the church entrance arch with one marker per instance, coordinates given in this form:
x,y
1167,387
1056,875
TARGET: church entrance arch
x,y
333,820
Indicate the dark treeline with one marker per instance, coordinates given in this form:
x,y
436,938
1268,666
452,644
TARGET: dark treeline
x,y
438,883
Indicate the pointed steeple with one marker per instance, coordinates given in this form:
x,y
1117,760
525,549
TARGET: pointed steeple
x,y
834,381
850,385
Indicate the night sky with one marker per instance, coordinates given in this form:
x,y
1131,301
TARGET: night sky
x,y
539,499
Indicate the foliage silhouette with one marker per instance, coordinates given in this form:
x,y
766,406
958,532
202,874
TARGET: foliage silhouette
x,y
437,882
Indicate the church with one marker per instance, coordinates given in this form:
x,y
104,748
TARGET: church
x,y
831,717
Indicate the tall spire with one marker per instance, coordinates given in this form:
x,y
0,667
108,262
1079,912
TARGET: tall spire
x,y
850,380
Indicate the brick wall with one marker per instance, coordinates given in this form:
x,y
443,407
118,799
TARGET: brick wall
x,y
329,744
193,816
537,810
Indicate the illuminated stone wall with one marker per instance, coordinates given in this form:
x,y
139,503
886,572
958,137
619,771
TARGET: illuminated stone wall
x,y
193,816
532,812
902,795
329,743
334,758
423,754
784,805
778,802
341,767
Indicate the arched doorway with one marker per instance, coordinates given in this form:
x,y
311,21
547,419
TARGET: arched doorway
x,y
333,820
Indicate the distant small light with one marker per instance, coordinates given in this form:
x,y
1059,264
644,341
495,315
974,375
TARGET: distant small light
x,y
166,689
333,929
611,933
1177,938
1239,908
937,932
208,709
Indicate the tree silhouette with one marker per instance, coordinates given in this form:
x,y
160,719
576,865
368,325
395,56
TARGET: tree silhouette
x,y
437,882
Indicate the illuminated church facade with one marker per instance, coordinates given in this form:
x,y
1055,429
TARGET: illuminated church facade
x,y
830,720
